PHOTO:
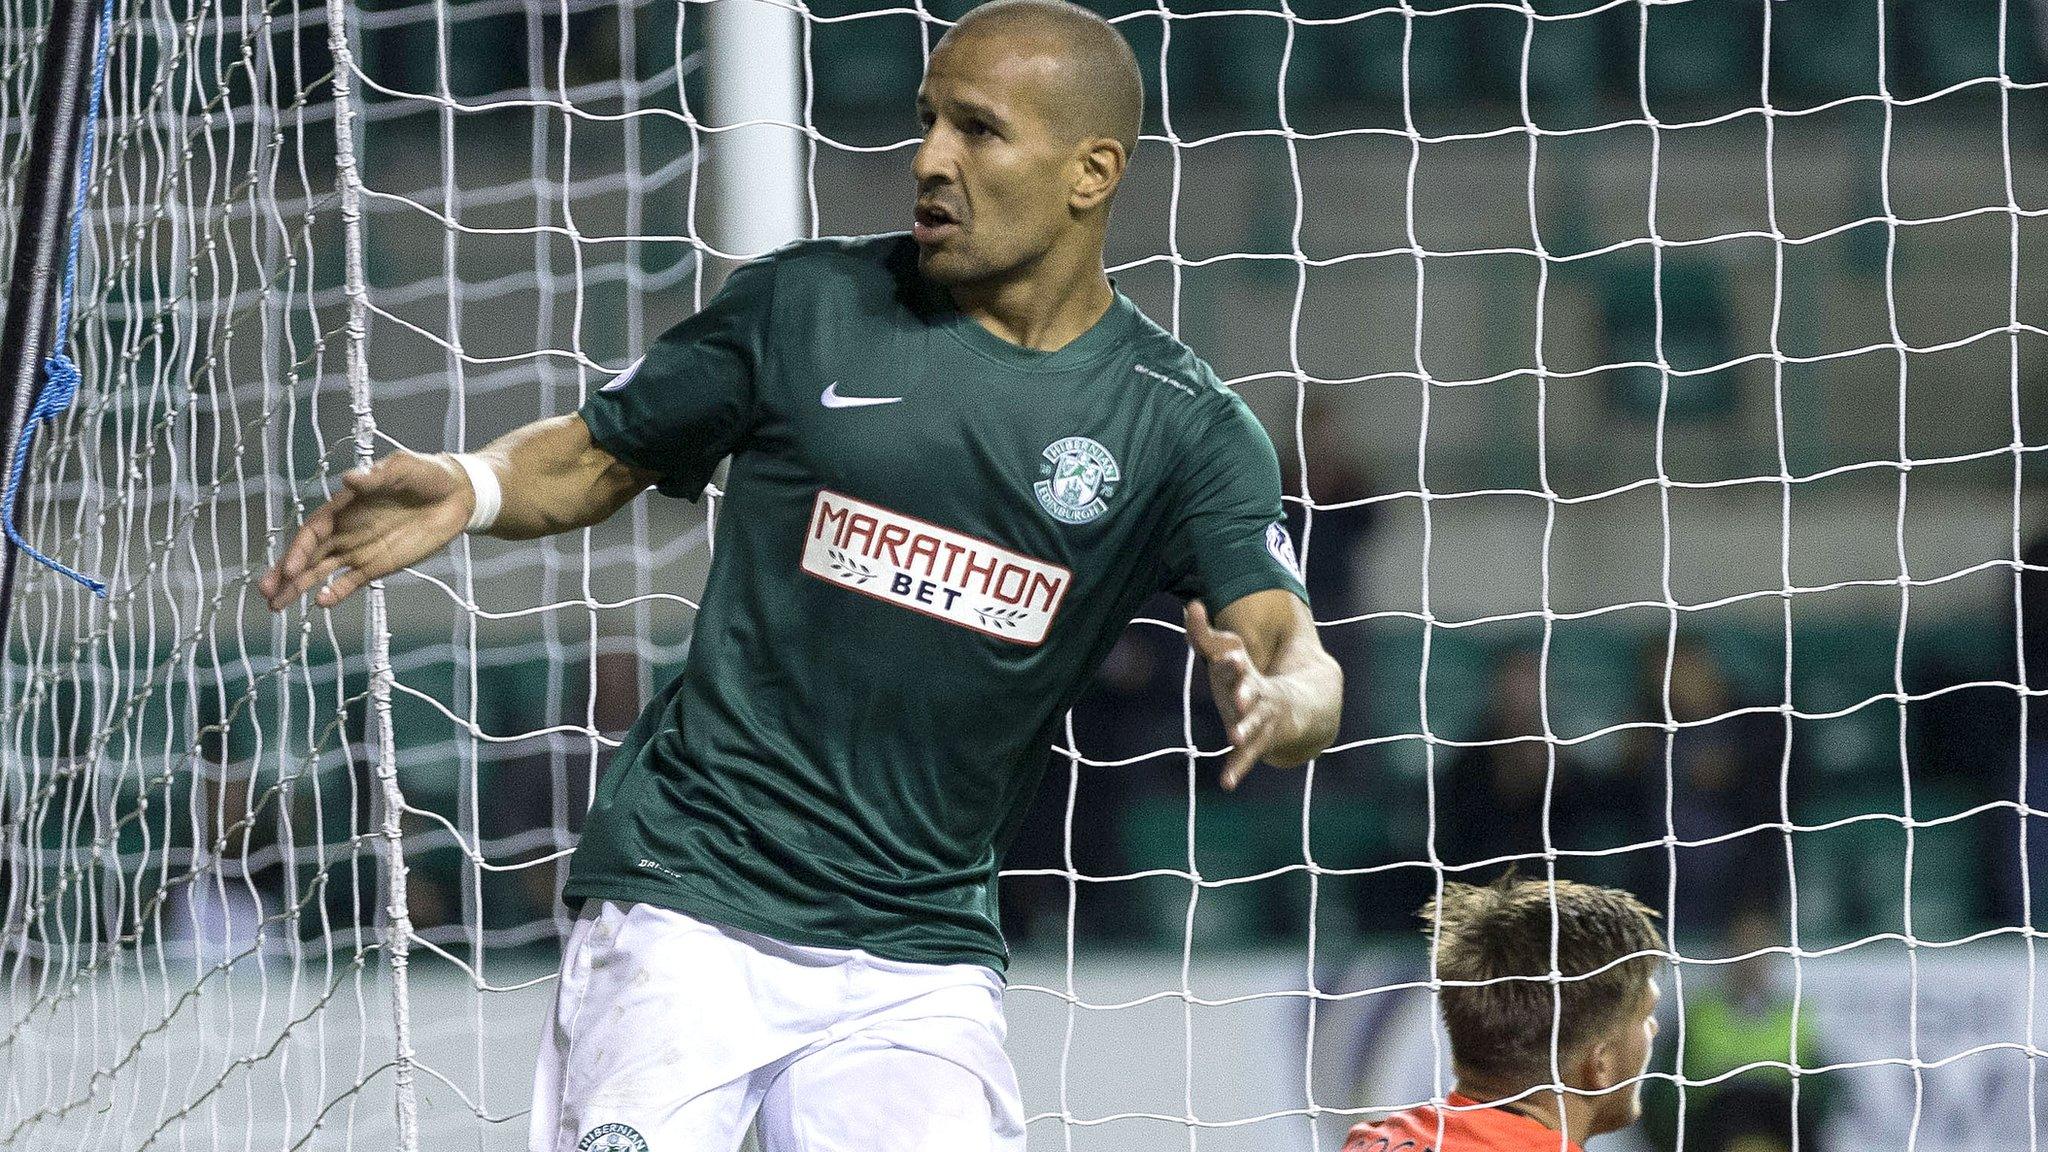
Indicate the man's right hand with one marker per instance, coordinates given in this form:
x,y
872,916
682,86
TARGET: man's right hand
x,y
397,512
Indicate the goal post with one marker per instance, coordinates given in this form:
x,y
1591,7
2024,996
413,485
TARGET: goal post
x,y
753,62
41,233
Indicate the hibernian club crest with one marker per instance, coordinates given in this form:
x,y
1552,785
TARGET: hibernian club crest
x,y
1079,478
612,1138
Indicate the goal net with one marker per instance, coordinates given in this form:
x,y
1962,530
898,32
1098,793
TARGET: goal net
x,y
1656,384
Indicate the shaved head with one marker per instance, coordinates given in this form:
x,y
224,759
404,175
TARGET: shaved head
x,y
1089,70
1030,111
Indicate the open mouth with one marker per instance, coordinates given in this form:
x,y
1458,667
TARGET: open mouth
x,y
933,222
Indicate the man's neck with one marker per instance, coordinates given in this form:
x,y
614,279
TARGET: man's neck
x,y
1569,1112
1047,307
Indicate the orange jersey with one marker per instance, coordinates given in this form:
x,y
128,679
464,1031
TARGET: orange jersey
x,y
1480,1130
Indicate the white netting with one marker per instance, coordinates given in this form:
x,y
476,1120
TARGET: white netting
x,y
1653,381
193,922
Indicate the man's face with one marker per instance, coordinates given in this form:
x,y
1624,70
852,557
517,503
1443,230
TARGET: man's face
x,y
1630,1046
994,172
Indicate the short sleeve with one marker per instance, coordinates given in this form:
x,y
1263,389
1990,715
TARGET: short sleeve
x,y
689,403
1229,537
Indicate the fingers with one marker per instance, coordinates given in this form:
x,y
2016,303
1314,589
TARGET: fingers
x,y
313,577
365,481
312,543
1238,767
344,586
323,546
310,540
1234,685
1233,678
281,591
349,569
1252,735
1207,640
372,527
402,472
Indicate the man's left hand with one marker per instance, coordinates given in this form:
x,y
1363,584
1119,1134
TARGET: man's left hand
x,y
1263,714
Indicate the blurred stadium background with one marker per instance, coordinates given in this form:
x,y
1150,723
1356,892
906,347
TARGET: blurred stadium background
x,y
1663,471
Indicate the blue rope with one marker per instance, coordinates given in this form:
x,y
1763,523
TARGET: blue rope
x,y
59,371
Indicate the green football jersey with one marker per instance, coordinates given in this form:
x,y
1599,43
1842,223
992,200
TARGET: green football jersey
x,y
930,539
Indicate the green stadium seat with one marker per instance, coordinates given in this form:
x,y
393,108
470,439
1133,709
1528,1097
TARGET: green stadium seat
x,y
1822,50
1564,59
1949,42
1230,62
1848,885
1702,51
1365,59
1752,658
1695,334
1593,677
1459,669
1244,835
1852,878
867,63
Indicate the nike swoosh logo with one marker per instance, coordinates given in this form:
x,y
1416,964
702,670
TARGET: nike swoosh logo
x,y
831,398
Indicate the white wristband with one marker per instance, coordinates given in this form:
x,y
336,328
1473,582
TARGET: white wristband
x,y
490,495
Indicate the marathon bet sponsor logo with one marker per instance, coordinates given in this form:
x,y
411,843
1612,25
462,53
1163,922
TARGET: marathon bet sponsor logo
x,y
611,1138
1281,545
1080,477
913,564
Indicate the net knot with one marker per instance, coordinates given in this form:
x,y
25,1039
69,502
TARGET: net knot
x,y
60,387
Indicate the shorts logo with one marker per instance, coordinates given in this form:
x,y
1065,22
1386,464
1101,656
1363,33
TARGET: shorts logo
x,y
611,1138
913,564
1281,545
1080,477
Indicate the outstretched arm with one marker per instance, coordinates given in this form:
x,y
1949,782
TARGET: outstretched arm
x,y
408,506
1278,692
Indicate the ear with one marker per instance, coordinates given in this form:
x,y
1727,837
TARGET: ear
x,y
1599,1067
1098,168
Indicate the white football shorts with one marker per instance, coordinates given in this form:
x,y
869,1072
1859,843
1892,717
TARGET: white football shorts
x,y
671,1034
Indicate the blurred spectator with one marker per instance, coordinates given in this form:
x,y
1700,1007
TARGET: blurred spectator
x,y
2033,644
1333,538
1965,754
2034,629
539,792
231,904
1493,800
1743,1018
1130,712
1715,780
1332,542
